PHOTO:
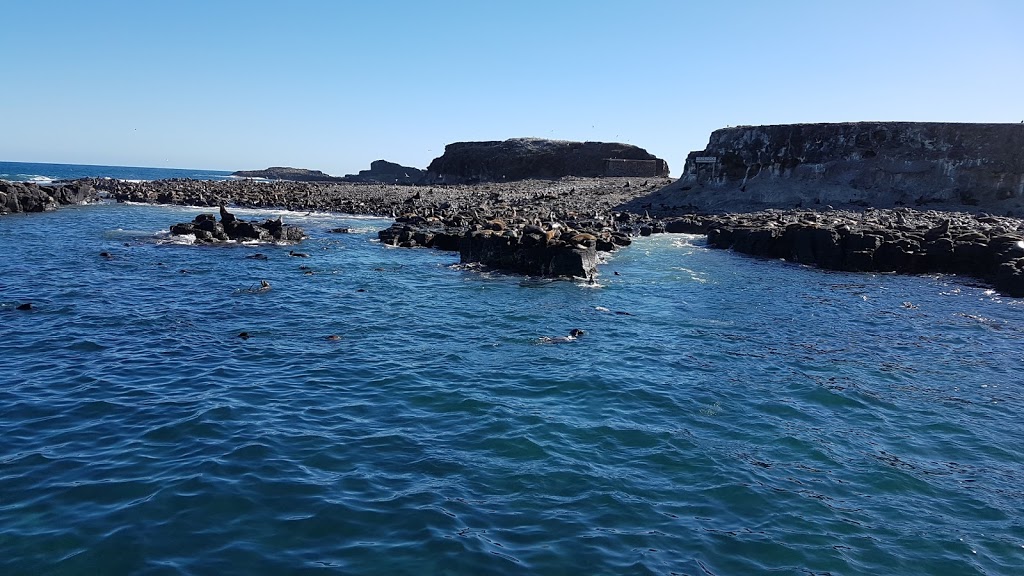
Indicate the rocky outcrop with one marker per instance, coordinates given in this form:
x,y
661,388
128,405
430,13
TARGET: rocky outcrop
x,y
286,173
567,195
386,172
31,197
904,241
526,158
945,166
207,229
536,240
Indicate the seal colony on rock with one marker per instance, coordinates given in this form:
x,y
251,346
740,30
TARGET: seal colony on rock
x,y
207,229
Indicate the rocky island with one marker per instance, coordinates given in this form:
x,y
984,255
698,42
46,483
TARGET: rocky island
x,y
381,171
287,173
532,158
866,197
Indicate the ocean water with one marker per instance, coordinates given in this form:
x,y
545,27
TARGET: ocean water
x,y
43,173
721,415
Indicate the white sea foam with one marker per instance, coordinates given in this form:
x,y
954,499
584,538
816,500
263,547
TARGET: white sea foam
x,y
689,241
183,239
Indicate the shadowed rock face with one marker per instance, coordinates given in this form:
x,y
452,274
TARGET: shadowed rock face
x,y
388,173
30,197
945,166
526,158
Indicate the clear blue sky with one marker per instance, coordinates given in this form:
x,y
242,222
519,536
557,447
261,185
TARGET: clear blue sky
x,y
335,84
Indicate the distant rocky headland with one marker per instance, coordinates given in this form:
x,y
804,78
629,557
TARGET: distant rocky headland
x,y
385,172
497,161
528,158
287,173
381,171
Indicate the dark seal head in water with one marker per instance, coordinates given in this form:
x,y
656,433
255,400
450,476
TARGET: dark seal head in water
x,y
573,335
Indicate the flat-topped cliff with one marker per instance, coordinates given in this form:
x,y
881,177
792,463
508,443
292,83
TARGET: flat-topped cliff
x,y
881,164
288,173
531,158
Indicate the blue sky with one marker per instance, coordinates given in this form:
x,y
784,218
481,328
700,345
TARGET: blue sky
x,y
333,85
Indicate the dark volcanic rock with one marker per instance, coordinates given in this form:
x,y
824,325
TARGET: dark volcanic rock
x,y
207,229
902,240
388,173
947,166
286,173
526,158
31,197
531,254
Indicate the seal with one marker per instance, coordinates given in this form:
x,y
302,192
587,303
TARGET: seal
x,y
25,306
573,335
298,254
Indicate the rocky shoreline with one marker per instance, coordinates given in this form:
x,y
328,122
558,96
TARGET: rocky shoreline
x,y
557,227
31,197
901,240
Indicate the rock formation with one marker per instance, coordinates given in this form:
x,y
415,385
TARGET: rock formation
x,y
902,240
527,158
286,173
944,166
31,197
207,229
386,172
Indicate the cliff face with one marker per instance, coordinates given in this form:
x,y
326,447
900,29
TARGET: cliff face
x,y
883,164
525,158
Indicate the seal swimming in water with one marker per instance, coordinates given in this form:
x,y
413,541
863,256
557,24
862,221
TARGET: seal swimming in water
x,y
25,306
573,335
298,254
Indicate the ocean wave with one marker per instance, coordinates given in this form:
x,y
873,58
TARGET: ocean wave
x,y
35,178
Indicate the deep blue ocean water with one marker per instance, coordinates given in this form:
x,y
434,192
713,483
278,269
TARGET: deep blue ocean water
x,y
722,414
39,172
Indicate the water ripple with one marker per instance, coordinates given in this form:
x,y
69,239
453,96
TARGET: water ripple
x,y
721,415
